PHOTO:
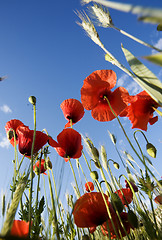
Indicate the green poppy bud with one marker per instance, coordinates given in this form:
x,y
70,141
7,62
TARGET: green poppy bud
x,y
132,218
151,150
32,100
116,165
10,134
49,164
116,202
94,175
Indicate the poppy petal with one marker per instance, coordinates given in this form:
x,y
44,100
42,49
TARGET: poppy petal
x,y
14,124
20,228
90,210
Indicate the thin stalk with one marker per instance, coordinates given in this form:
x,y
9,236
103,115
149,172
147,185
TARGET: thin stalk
x,y
62,220
53,207
31,172
129,140
135,39
78,192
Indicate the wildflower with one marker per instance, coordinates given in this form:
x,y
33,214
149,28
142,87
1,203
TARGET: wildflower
x,y
43,167
68,144
140,111
158,199
73,110
11,126
119,231
135,188
125,195
96,87
89,186
25,140
20,228
90,210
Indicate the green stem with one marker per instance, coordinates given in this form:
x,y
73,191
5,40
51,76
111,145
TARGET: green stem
x,y
78,192
31,172
53,207
135,39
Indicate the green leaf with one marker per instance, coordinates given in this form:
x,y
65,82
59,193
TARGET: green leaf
x,y
156,58
144,77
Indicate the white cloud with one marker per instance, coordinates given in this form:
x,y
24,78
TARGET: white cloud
x,y
132,87
5,108
4,143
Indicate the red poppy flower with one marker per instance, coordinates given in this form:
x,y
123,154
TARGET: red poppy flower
x,y
140,111
135,188
97,86
13,124
43,167
20,228
125,195
90,210
73,110
25,140
69,144
89,186
158,199
119,230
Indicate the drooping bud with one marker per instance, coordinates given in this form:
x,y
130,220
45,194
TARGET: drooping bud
x,y
94,175
116,202
116,165
151,150
132,218
10,134
49,164
32,100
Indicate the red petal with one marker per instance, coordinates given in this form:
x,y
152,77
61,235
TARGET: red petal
x,y
14,124
69,141
25,139
20,228
90,210
128,195
72,109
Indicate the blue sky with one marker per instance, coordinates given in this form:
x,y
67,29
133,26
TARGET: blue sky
x,y
43,52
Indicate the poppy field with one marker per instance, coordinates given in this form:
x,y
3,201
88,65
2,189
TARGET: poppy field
x,y
103,205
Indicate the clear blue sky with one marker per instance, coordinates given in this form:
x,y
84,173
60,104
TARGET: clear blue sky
x,y
45,53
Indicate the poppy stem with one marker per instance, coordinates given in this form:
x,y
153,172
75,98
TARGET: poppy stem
x,y
31,172
129,140
78,192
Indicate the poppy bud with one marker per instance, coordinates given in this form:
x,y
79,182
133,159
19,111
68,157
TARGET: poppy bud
x,y
132,218
116,165
49,164
94,175
10,134
116,202
32,100
151,150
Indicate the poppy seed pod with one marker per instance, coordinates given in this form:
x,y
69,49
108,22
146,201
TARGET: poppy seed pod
x,y
151,150
132,218
94,175
32,100
10,134
116,165
116,202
